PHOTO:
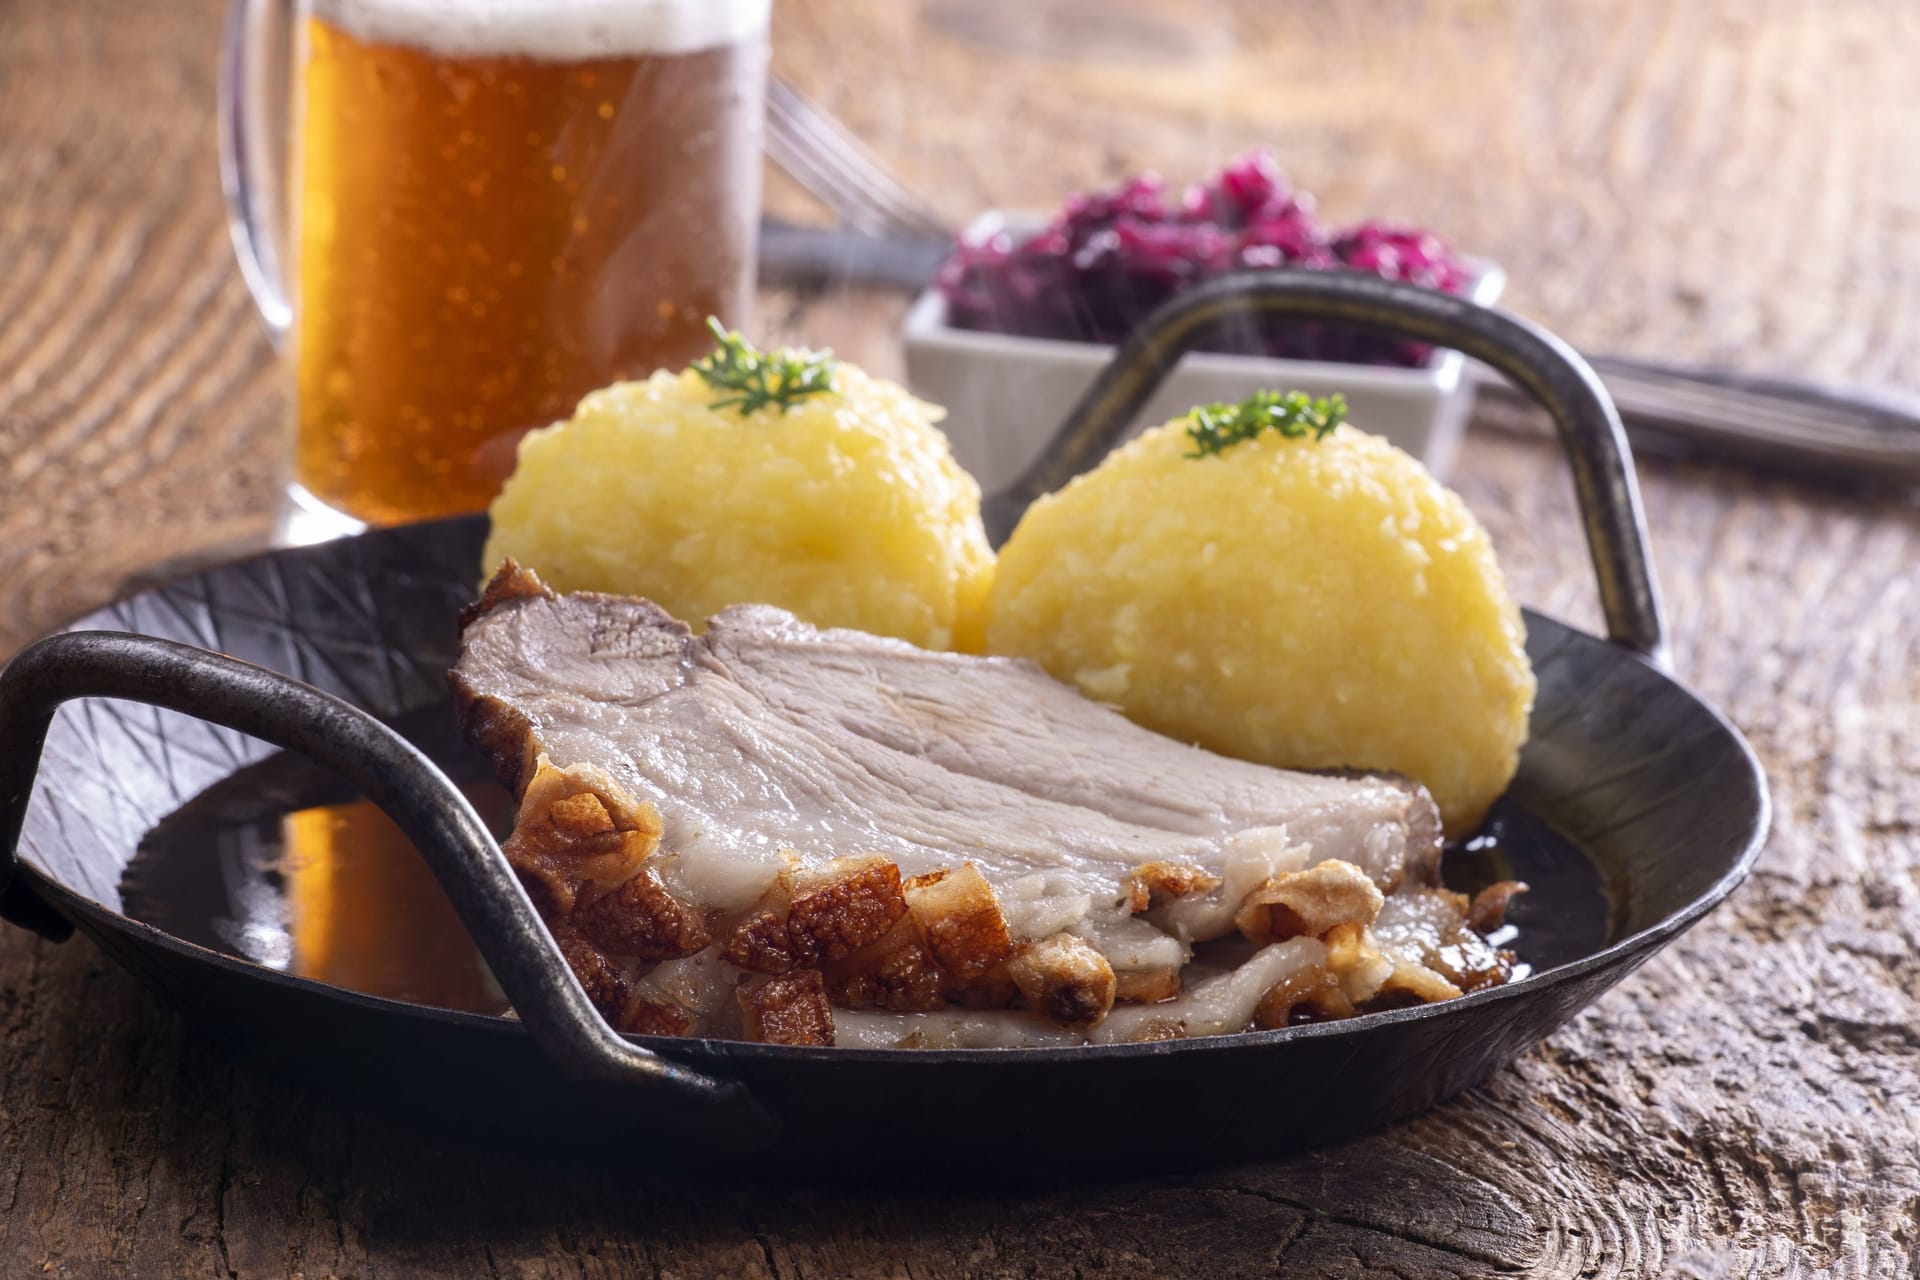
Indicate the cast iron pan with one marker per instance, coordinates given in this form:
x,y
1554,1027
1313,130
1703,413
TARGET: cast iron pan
x,y
1650,791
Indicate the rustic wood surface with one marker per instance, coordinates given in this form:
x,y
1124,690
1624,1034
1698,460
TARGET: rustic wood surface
x,y
1727,179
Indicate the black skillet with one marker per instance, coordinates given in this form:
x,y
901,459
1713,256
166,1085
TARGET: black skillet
x,y
1628,779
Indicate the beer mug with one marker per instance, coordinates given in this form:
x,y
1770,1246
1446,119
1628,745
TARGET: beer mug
x,y
488,208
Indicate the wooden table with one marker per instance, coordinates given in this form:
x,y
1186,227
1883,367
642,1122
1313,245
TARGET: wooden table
x,y
1728,179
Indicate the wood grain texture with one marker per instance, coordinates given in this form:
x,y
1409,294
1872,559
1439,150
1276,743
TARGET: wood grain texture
x,y
1724,179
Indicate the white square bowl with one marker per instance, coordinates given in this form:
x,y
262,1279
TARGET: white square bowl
x,y
1004,395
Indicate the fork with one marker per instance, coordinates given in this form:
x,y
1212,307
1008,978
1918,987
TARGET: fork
x,y
819,153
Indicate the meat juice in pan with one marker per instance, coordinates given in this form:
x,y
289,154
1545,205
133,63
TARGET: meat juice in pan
x,y
282,865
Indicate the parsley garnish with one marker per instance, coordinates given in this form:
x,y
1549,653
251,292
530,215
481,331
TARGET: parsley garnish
x,y
759,378
1214,427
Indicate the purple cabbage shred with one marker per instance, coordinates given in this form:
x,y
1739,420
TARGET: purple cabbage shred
x,y
1110,257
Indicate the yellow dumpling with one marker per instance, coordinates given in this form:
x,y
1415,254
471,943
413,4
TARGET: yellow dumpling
x,y
1309,603
847,509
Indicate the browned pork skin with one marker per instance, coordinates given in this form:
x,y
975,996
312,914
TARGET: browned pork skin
x,y
808,837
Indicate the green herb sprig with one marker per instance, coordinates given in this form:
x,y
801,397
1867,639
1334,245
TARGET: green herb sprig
x,y
1214,428
756,379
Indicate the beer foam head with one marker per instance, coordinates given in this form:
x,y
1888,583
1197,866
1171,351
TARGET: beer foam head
x,y
548,29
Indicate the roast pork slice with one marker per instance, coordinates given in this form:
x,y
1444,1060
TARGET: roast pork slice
x,y
777,756
766,734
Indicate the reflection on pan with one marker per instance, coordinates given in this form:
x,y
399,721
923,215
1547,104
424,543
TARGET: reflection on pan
x,y
281,865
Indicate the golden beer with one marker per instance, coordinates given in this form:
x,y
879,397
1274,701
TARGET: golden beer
x,y
501,207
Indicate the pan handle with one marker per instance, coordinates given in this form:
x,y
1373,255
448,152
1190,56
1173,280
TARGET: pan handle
x,y
410,788
1541,365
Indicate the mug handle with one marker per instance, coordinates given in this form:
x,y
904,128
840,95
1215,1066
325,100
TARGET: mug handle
x,y
256,77
1534,360
411,790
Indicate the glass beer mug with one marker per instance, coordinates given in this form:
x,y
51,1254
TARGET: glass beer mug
x,y
487,208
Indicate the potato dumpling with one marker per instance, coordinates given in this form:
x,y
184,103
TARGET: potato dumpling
x,y
1308,603
847,509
